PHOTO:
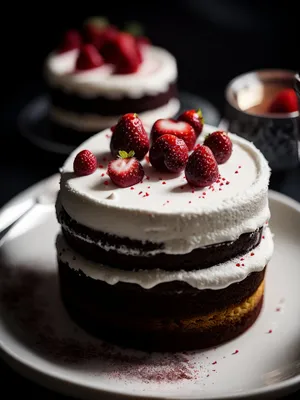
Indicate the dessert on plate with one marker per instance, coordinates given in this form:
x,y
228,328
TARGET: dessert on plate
x,y
164,238
100,73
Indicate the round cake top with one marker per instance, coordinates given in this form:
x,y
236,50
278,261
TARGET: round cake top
x,y
157,71
164,208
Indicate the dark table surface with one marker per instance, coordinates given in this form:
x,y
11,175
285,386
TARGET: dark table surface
x,y
21,165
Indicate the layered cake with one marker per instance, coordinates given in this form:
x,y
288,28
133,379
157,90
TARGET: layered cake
x,y
164,250
97,75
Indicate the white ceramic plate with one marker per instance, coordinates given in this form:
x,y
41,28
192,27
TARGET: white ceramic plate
x,y
38,339
33,121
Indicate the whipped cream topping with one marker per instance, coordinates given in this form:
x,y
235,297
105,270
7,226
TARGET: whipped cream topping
x,y
93,122
216,277
164,208
157,71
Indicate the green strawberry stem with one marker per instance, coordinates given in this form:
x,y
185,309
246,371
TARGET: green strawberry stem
x,y
98,22
123,154
199,112
134,28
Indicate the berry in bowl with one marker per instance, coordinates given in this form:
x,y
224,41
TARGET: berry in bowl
x,y
261,106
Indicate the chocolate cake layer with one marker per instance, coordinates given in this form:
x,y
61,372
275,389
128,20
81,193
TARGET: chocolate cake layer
x,y
149,342
168,333
170,300
87,243
106,106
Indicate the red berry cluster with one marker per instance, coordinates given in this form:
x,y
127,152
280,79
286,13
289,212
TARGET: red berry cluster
x,y
100,43
172,150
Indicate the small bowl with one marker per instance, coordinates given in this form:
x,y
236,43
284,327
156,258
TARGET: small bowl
x,y
297,88
247,99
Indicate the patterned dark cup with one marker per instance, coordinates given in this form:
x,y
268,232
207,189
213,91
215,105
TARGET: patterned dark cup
x,y
276,135
297,88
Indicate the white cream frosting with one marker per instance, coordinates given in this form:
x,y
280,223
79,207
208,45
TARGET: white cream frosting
x,y
216,277
154,76
93,122
164,208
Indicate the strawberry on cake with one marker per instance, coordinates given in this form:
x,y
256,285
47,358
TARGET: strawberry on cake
x,y
164,239
100,73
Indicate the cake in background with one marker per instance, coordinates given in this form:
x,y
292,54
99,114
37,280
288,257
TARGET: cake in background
x,y
165,238
100,73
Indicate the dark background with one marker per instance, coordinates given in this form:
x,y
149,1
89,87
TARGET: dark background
x,y
213,41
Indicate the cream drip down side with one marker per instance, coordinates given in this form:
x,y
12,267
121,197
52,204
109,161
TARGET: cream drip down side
x,y
215,278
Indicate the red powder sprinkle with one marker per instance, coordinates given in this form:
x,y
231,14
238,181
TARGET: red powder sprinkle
x,y
146,194
163,183
203,197
140,192
270,331
106,183
278,309
236,172
214,363
243,265
238,264
236,352
193,191
148,187
240,166
147,177
147,159
252,254
221,184
108,136
132,188
227,183
242,259
223,179
263,237
204,193
101,166
220,189
218,181
168,201
214,370
102,174
207,376
190,201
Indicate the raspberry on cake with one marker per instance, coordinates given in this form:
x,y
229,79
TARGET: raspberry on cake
x,y
164,264
100,73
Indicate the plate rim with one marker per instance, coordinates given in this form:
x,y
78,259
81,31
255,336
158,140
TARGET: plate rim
x,y
55,382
